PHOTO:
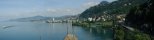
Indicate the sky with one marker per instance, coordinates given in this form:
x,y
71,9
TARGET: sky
x,y
11,9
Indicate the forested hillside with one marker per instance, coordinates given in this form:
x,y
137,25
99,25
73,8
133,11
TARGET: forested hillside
x,y
141,17
116,7
138,14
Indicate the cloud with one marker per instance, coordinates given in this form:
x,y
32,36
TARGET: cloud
x,y
50,8
50,12
89,4
62,11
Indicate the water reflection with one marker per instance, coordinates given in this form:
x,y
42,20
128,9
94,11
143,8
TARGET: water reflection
x,y
50,31
100,33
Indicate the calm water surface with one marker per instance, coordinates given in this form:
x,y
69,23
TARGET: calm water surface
x,y
49,31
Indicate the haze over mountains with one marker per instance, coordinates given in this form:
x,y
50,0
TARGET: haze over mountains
x,y
43,18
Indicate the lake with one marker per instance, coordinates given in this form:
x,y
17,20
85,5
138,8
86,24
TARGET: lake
x,y
50,31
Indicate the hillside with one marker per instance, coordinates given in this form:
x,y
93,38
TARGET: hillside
x,y
116,7
141,17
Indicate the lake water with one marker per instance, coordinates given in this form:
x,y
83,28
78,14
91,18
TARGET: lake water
x,y
49,31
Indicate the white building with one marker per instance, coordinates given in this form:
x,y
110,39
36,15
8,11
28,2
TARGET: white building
x,y
90,19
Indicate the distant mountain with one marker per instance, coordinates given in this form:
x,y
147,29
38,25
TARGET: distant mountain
x,y
35,18
42,18
116,7
69,17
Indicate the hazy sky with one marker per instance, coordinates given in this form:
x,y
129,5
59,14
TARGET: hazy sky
x,y
10,9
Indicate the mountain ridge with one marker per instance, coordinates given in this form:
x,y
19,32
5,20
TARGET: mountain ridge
x,y
116,7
